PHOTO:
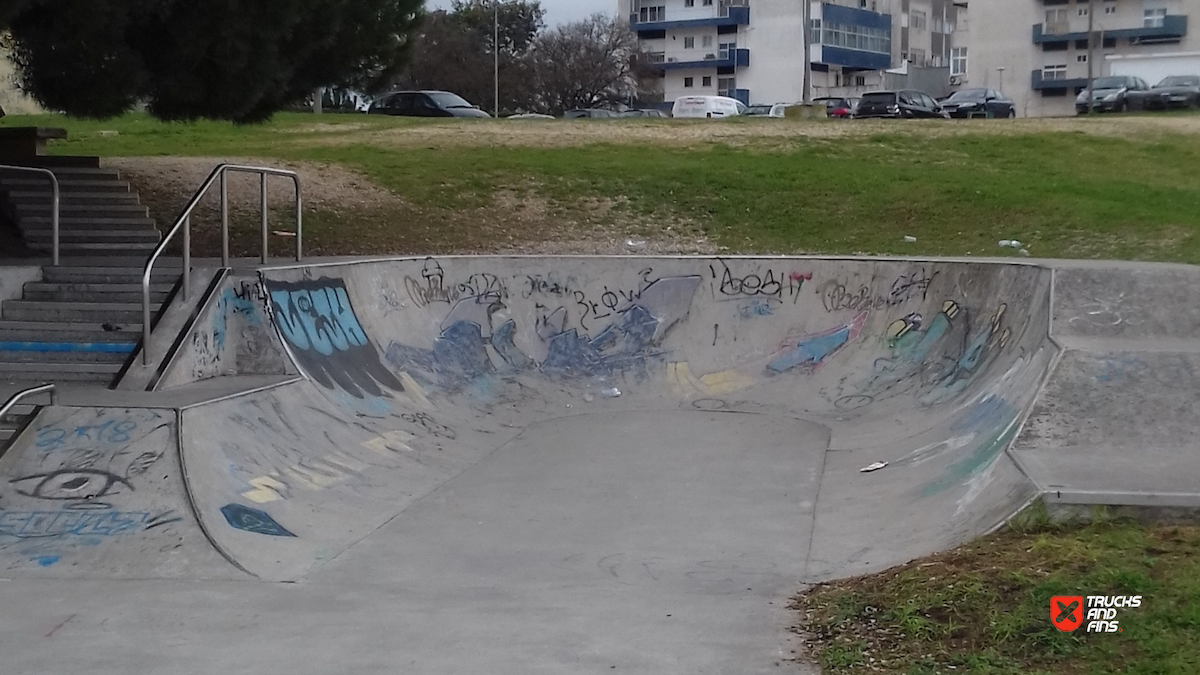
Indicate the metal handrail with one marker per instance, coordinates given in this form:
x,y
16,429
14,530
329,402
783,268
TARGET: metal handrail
x,y
184,222
54,195
12,400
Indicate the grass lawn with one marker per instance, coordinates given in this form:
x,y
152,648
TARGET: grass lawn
x,y
1111,187
984,608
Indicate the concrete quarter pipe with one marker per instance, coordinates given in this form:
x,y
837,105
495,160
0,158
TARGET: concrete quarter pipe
x,y
572,463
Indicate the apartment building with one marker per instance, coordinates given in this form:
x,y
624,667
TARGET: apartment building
x,y
1036,51
753,50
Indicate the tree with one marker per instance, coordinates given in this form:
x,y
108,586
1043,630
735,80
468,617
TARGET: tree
x,y
454,52
216,59
589,63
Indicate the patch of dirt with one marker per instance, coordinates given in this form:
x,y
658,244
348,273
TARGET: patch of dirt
x,y
573,133
348,214
167,183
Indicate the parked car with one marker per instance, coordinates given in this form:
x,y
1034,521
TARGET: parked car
x,y
1112,94
905,103
837,106
645,112
589,113
529,116
979,103
707,106
425,104
772,110
1176,91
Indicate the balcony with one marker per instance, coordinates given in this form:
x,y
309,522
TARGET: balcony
x,y
1039,84
1173,29
852,58
725,58
726,14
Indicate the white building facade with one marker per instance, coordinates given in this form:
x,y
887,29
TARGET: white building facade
x,y
1036,51
753,50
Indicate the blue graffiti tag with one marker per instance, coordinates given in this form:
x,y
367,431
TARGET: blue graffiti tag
x,y
253,520
83,523
318,322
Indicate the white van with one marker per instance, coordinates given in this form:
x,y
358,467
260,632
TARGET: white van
x,y
707,106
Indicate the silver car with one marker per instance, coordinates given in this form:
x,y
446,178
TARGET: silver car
x,y
1116,93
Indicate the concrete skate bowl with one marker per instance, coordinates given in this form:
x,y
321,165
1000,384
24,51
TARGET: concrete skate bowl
x,y
699,419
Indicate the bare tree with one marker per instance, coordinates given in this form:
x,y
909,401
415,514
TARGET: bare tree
x,y
454,52
586,64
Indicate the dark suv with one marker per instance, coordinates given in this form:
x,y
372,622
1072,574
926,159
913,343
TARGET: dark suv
x,y
905,103
425,104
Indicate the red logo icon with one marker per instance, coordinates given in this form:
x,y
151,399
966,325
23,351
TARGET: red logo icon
x,y
1066,612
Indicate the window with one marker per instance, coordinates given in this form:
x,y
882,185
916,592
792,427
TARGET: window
x,y
860,80
876,40
1082,11
706,41
726,86
1153,17
1081,58
917,57
689,3
958,60
1110,8
1055,72
706,81
687,81
916,20
726,50
707,3
648,14
1058,15
689,43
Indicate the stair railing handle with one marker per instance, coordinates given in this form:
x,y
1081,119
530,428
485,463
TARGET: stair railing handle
x,y
12,400
184,222
54,202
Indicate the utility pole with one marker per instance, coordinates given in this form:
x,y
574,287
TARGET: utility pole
x,y
806,18
496,58
1091,54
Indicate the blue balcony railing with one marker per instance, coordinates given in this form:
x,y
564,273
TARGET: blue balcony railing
x,y
725,58
737,16
1174,27
1037,83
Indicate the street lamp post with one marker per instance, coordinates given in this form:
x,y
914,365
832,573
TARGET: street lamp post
x,y
496,58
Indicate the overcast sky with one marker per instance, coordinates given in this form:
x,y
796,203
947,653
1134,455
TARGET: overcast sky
x,y
557,11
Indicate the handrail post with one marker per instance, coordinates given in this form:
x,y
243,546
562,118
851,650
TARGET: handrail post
x,y
54,200
224,218
299,220
262,187
187,257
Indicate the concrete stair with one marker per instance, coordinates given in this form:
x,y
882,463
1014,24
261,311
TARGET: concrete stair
x,y
99,214
82,321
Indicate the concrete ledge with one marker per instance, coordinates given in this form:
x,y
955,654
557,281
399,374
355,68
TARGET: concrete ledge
x,y
17,142
1189,500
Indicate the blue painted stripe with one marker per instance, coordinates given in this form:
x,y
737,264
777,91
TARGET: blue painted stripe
x,y
101,347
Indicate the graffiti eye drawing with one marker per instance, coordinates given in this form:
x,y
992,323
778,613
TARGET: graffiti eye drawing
x,y
70,484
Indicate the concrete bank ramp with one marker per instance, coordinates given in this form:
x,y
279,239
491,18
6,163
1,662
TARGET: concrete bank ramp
x,y
700,421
